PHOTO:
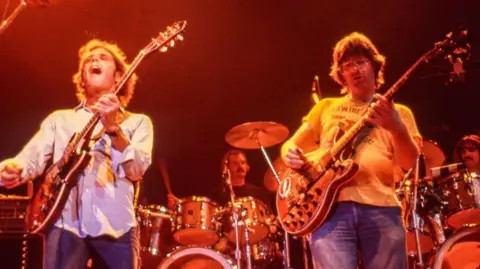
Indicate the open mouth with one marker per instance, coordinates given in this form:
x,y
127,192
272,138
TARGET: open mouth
x,y
95,69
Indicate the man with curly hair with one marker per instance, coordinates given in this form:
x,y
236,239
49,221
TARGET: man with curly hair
x,y
98,220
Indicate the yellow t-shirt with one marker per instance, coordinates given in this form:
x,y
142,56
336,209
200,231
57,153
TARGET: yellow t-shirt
x,y
374,184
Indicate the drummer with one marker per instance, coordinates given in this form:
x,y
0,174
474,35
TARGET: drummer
x,y
237,164
467,151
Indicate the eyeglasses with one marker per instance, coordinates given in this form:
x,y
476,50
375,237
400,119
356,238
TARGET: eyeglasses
x,y
350,65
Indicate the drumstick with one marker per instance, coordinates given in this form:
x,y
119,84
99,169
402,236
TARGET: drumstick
x,y
163,169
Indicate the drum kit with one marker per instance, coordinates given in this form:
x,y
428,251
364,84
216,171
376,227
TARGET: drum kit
x,y
441,215
443,220
191,235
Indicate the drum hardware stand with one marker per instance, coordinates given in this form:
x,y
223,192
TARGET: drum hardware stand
x,y
419,173
305,254
237,222
226,177
247,245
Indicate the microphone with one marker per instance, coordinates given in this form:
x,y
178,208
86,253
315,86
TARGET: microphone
x,y
225,171
446,170
315,88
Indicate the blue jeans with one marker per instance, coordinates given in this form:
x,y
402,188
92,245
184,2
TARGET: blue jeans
x,y
65,250
377,232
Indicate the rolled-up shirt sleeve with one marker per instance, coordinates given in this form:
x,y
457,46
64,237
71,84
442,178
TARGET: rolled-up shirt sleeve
x,y
37,152
135,159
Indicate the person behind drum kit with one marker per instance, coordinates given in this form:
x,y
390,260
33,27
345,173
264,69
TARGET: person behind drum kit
x,y
467,151
366,216
236,162
98,220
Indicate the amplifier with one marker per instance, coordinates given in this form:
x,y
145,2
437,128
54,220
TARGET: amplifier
x,y
13,211
21,251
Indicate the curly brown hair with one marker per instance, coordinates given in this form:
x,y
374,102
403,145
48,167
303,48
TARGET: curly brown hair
x,y
126,93
356,44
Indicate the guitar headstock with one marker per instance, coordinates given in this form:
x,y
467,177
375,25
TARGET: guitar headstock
x,y
455,46
167,38
456,50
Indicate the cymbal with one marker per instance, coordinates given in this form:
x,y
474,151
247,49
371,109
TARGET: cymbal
x,y
434,155
269,179
247,135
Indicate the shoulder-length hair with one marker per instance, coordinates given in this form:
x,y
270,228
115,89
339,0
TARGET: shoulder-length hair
x,y
356,44
126,93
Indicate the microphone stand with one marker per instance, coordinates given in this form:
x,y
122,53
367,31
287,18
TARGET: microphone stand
x,y
231,193
236,209
21,6
419,173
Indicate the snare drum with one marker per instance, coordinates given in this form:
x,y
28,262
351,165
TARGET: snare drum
x,y
155,230
462,192
255,214
196,221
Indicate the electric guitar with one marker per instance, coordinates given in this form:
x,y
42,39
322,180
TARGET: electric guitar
x,y
52,194
305,196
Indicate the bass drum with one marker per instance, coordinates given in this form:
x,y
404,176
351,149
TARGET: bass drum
x,y
461,250
197,258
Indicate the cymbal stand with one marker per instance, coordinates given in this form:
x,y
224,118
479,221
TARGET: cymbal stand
x,y
5,23
419,173
286,251
265,154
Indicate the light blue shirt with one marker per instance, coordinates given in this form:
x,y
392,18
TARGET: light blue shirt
x,y
102,201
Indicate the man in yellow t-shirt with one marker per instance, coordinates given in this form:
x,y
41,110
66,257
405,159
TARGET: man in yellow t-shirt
x,y
366,216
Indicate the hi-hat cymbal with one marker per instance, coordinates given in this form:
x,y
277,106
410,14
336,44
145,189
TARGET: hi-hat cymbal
x,y
434,155
269,179
248,135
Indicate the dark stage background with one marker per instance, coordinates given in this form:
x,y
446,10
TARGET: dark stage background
x,y
241,61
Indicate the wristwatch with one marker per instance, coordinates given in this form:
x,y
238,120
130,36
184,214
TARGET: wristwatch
x,y
114,132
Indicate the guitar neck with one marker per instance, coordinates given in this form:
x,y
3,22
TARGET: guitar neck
x,y
129,72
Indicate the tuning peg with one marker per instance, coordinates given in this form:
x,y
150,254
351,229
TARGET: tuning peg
x,y
163,49
180,37
172,43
